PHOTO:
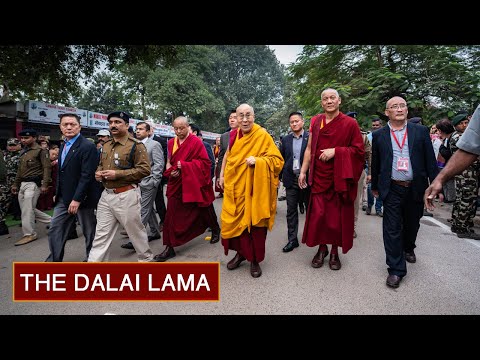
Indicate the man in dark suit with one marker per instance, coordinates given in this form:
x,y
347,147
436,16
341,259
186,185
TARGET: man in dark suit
x,y
159,199
403,162
76,192
292,149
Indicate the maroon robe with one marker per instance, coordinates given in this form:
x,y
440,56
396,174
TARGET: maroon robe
x,y
45,201
330,214
190,196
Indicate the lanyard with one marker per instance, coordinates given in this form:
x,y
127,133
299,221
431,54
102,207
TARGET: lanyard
x,y
396,140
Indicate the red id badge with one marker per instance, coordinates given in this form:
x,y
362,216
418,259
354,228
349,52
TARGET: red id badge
x,y
403,164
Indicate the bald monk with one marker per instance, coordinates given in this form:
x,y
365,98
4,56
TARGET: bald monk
x,y
249,177
189,191
335,155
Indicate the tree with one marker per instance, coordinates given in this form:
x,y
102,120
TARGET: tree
x,y
105,94
435,80
52,72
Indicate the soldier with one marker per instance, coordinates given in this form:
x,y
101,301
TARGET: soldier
x,y
123,164
466,185
12,159
33,177
4,196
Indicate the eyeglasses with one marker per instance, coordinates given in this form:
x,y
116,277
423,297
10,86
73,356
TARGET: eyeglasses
x,y
242,116
397,106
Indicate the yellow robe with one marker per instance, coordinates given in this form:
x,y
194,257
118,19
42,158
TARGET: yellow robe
x,y
250,196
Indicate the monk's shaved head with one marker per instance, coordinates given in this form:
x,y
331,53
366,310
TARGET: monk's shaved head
x,y
181,120
180,126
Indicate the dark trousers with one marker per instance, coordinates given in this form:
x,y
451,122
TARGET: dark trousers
x,y
401,221
160,203
371,200
15,207
295,195
60,227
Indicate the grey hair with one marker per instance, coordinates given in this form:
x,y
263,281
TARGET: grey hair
x,y
249,106
329,89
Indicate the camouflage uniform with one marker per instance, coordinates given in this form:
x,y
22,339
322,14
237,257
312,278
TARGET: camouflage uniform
x,y
466,186
11,166
12,160
4,191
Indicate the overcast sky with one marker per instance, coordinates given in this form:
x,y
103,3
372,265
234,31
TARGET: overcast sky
x,y
286,54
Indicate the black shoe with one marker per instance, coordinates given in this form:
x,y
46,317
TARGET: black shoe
x,y
168,253
282,198
410,257
128,246
290,246
302,208
364,207
380,213
368,211
215,236
154,237
393,281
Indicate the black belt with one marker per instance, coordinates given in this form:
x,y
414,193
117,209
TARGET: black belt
x,y
403,183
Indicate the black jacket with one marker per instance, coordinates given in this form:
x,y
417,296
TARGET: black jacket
x,y
76,176
287,176
422,158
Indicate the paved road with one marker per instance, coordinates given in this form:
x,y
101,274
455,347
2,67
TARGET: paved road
x,y
444,280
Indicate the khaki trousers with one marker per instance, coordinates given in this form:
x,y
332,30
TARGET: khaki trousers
x,y
27,198
361,182
114,210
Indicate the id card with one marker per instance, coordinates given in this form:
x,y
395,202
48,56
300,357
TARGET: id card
x,y
296,164
403,164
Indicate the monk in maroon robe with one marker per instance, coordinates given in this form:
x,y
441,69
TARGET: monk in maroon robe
x,y
335,157
189,191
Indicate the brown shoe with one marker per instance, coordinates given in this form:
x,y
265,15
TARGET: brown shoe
x,y
26,239
235,262
334,262
318,258
168,253
255,269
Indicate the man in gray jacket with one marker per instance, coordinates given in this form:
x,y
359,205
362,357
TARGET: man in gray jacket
x,y
149,184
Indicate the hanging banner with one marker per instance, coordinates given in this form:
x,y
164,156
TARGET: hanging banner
x,y
39,111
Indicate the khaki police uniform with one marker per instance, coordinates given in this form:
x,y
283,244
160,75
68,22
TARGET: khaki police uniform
x,y
34,170
120,201
361,181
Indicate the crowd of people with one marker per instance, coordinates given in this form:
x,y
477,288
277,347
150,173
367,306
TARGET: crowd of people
x,y
117,182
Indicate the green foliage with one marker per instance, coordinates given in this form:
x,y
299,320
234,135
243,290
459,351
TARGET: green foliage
x,y
52,72
435,80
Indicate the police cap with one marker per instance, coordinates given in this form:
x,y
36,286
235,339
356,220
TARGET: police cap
x,y
28,132
120,114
